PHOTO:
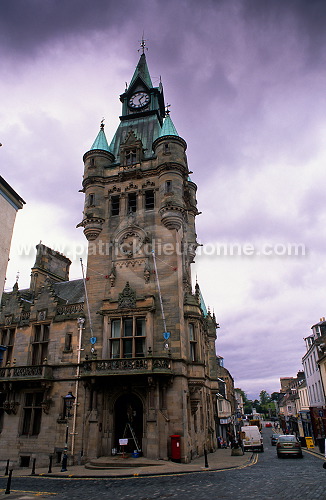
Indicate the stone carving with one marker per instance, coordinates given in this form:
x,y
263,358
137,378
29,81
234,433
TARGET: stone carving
x,y
127,298
147,274
112,276
10,407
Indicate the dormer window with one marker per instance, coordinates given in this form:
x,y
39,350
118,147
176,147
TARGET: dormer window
x,y
130,150
131,156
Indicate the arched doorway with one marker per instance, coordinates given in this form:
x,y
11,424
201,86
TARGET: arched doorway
x,y
128,421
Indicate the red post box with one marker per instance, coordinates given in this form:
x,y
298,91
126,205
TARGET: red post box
x,y
176,448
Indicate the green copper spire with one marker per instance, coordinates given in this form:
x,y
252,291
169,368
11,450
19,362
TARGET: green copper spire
x,y
100,141
168,128
142,72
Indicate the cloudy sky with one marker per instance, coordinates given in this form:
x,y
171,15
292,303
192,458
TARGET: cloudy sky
x,y
246,82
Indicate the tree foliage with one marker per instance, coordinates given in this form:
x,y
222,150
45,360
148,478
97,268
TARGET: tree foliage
x,y
264,405
264,398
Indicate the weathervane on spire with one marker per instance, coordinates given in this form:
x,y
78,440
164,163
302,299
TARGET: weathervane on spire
x,y
167,111
102,123
142,44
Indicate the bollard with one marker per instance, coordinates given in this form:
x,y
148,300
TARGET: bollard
x,y
8,483
64,463
206,461
7,468
50,465
33,468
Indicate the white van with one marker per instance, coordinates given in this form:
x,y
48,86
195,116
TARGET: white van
x,y
251,438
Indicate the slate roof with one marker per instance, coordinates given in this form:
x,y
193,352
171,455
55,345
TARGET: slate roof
x,y
72,292
147,129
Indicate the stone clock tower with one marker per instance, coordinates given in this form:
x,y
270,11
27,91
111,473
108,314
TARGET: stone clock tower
x,y
150,369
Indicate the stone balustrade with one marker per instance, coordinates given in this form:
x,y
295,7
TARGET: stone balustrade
x,y
126,365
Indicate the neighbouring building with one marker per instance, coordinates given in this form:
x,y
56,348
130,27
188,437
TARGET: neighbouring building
x,y
226,421
304,420
289,402
239,403
321,348
10,203
127,352
315,387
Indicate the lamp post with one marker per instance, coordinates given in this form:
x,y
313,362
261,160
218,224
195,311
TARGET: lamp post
x,y
68,403
80,323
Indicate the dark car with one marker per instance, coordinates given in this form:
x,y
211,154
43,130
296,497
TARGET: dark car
x,y
288,445
274,439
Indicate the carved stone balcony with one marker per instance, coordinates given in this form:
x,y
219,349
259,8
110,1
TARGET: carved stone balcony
x,y
126,366
37,372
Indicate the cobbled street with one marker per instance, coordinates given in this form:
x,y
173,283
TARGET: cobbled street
x,y
269,478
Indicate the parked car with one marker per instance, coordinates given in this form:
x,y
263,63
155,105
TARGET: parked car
x,y
274,439
288,445
268,424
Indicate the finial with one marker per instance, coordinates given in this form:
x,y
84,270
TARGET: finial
x,y
167,111
102,123
17,276
142,44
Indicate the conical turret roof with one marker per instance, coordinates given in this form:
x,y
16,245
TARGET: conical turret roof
x,y
100,141
168,127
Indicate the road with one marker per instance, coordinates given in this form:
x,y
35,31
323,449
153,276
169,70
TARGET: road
x,y
268,478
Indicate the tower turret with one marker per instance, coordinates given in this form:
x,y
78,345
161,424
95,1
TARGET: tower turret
x,y
95,162
172,163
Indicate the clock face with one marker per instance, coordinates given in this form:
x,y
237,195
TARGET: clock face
x,y
139,100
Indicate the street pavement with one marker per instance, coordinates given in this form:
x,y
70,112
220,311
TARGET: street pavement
x,y
129,466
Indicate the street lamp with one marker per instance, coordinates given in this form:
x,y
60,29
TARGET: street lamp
x,y
80,323
68,404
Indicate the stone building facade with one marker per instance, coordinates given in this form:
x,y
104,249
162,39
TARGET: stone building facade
x,y
10,203
131,344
